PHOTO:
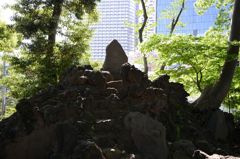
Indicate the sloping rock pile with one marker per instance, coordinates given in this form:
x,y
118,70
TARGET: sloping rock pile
x,y
90,116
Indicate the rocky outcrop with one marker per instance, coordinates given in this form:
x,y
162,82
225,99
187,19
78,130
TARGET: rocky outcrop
x,y
148,135
89,115
182,149
218,125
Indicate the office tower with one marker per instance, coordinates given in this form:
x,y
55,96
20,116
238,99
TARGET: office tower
x,y
114,16
194,23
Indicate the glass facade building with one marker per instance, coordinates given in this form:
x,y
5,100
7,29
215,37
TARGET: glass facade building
x,y
115,14
194,23
113,18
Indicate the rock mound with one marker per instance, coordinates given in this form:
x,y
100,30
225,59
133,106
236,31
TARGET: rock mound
x,y
90,116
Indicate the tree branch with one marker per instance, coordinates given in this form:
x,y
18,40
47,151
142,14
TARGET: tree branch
x,y
145,18
140,31
174,22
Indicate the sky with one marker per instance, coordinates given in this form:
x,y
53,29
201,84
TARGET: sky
x,y
5,14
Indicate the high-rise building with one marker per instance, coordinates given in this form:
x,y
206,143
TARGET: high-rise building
x,y
194,23
114,15
113,24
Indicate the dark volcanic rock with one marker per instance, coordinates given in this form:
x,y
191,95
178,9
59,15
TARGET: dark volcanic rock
x,y
90,116
148,135
218,125
183,149
175,91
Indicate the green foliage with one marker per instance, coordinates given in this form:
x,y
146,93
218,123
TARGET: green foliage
x,y
9,112
237,115
190,59
56,35
139,13
223,20
193,61
9,109
225,8
171,12
96,65
232,101
8,38
202,5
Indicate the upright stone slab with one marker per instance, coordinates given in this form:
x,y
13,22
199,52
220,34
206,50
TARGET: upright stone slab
x,y
115,57
218,125
149,135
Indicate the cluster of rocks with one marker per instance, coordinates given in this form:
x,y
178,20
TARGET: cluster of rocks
x,y
104,115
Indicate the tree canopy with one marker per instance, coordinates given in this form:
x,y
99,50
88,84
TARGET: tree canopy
x,y
191,60
202,61
194,61
55,34
8,38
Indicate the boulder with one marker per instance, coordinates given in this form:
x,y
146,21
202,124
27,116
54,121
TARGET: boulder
x,y
112,153
96,79
148,134
33,146
107,75
183,149
134,81
115,57
205,146
218,125
132,75
72,76
156,100
115,84
175,91
161,82
88,150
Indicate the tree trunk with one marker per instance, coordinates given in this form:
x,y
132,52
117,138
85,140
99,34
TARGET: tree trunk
x,y
140,31
145,64
57,10
212,97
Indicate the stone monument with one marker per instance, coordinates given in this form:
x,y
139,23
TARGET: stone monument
x,y
115,57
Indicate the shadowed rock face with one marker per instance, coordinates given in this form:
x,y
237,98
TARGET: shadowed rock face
x,y
115,57
89,116
217,124
148,135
